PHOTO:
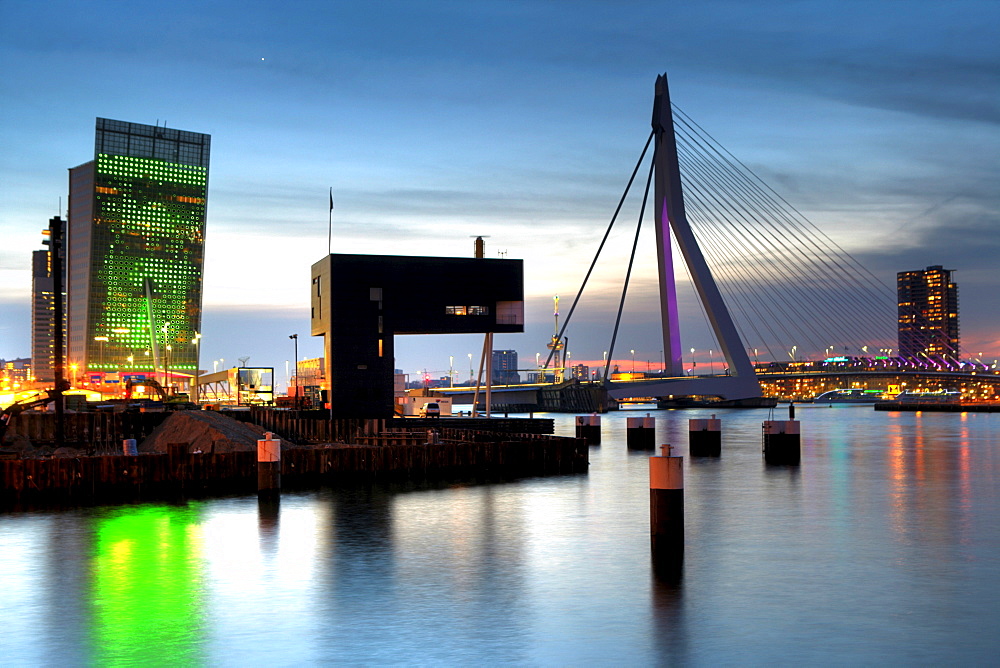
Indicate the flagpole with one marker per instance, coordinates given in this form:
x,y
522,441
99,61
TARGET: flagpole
x,y
329,226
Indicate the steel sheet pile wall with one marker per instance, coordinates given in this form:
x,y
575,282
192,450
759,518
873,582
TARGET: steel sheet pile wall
x,y
102,432
120,478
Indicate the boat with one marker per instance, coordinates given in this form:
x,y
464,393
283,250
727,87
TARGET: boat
x,y
935,397
849,396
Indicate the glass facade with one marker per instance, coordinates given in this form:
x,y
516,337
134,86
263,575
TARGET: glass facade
x,y
137,249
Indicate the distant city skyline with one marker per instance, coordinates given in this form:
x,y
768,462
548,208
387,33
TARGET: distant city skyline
x,y
877,121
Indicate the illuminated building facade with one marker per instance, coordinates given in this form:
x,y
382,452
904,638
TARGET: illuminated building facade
x,y
135,249
43,353
505,367
928,314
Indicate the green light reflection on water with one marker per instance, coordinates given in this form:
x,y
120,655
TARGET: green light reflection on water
x,y
147,589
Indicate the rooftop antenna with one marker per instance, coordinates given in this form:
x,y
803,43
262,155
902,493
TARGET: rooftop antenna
x,y
329,226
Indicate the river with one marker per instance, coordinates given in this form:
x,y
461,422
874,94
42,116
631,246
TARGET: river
x,y
882,547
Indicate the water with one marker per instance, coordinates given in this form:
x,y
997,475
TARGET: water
x,y
882,547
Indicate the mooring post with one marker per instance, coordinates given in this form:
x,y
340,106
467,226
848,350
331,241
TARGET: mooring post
x,y
640,433
705,437
782,442
269,464
589,427
666,509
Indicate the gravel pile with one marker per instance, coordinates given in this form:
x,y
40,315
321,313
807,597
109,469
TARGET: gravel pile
x,y
207,431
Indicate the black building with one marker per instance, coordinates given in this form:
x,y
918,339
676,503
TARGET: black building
x,y
360,302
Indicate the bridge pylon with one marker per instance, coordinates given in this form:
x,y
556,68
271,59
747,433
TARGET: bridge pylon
x,y
741,382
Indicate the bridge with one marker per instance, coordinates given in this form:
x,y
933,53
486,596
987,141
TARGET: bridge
x,y
764,276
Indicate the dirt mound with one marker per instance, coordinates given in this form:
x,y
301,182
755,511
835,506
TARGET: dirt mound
x,y
207,431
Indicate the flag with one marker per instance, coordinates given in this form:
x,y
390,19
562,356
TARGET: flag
x,y
331,199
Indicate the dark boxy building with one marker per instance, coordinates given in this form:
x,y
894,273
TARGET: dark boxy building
x,y
359,302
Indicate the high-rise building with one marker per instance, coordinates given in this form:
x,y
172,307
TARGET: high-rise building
x,y
135,249
505,367
928,314
43,352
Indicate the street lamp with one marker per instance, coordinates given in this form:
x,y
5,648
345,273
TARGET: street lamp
x,y
103,340
451,371
633,361
711,362
166,367
295,338
471,378
197,356
693,362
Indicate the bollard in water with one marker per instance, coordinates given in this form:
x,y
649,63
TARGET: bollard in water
x,y
269,465
666,511
705,437
640,433
782,442
129,448
589,427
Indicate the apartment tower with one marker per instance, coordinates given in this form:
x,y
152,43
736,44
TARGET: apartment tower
x,y
928,314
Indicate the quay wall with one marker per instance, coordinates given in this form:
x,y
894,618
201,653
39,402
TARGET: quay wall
x,y
937,408
118,478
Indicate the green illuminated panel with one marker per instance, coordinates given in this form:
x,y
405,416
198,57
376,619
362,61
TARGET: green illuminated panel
x,y
149,223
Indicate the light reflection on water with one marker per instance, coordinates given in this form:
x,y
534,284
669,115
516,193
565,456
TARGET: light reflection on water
x,y
881,547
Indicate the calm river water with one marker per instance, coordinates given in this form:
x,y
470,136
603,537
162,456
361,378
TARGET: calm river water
x,y
882,547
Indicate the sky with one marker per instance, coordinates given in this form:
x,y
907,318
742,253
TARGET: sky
x,y
437,121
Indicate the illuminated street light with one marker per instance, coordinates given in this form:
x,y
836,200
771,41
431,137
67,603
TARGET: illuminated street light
x,y
295,337
633,361
103,340
197,356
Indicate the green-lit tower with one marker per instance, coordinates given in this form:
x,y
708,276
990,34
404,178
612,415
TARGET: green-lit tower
x,y
135,250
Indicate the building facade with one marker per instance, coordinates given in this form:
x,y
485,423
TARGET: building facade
x,y
43,352
928,314
360,303
135,249
505,368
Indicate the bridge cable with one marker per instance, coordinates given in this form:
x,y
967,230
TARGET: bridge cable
x,y
614,217
720,178
842,262
628,272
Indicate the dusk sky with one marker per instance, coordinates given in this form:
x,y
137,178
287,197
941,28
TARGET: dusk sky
x,y
437,121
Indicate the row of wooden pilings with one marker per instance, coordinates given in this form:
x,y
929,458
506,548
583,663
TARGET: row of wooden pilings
x,y
780,445
780,439
448,454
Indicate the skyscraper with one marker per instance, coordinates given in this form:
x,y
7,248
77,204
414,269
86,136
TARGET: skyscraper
x,y
928,314
505,367
43,351
135,249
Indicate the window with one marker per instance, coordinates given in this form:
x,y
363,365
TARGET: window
x,y
454,310
479,310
